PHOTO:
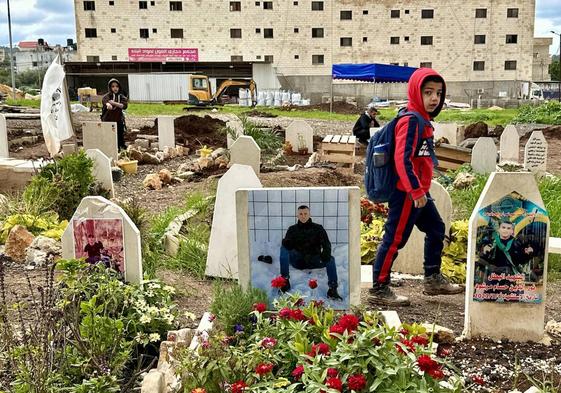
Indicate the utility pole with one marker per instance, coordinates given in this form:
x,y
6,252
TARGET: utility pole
x,y
559,81
11,51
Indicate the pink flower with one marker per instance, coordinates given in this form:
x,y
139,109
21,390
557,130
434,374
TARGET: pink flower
x,y
335,383
264,368
278,282
356,382
349,322
268,342
260,307
313,283
298,372
332,372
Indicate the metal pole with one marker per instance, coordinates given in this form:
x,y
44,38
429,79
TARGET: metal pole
x,y
11,51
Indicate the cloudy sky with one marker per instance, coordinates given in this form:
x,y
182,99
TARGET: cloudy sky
x,y
53,20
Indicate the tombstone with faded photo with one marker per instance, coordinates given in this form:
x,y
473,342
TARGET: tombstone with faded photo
x,y
301,240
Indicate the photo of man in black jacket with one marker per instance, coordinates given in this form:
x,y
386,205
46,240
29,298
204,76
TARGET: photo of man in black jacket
x,y
306,245
367,120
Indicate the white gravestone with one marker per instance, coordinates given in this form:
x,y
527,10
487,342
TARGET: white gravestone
x,y
236,127
484,156
102,169
246,152
4,147
102,136
446,130
410,258
166,131
300,134
222,257
507,260
110,226
535,153
510,145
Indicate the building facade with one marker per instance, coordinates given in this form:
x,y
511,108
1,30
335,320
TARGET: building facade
x,y
482,47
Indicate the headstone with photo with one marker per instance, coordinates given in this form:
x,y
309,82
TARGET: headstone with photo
x,y
535,153
273,256
300,135
245,151
507,260
484,156
102,169
4,147
166,131
101,232
222,257
510,145
102,136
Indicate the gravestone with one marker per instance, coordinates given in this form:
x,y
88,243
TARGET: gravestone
x,y
410,258
246,152
535,153
102,136
166,131
4,147
236,127
111,227
222,257
448,131
507,260
510,145
484,156
300,134
102,169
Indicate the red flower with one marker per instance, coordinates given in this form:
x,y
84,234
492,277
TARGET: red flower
x,y
332,372
260,307
285,313
264,368
335,383
420,340
238,387
426,363
320,349
313,283
436,373
297,315
268,342
357,382
349,322
478,379
298,372
278,282
336,329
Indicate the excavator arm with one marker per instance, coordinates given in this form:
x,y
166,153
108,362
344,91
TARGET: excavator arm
x,y
246,84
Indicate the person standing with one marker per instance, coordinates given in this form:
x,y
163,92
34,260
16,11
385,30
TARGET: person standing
x,y
367,120
114,103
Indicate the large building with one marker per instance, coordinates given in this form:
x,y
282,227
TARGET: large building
x,y
482,47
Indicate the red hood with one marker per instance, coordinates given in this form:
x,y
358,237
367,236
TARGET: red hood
x,y
415,96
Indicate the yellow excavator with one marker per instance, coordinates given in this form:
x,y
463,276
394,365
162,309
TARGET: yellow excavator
x,y
200,93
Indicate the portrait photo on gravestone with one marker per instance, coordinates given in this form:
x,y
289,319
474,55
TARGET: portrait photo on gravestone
x,y
100,241
511,245
299,243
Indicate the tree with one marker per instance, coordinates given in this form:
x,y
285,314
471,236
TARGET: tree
x,y
554,70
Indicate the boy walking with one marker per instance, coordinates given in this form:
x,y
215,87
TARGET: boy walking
x,y
410,203
114,102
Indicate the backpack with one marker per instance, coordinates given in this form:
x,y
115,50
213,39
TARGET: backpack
x,y
380,178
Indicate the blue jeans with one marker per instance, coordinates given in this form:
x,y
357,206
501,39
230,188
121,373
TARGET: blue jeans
x,y
296,260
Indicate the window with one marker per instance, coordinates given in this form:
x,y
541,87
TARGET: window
x,y
142,5
317,6
33,64
92,59
111,2
346,15
395,13
113,57
406,38
394,40
481,12
479,66
296,30
267,5
511,38
317,32
427,14
346,41
113,30
426,64
268,58
89,5
512,13
364,39
479,39
175,6
510,65
296,57
144,33
364,12
235,6
426,40
317,59
258,30
268,33
176,33
154,31
235,33
91,33
236,58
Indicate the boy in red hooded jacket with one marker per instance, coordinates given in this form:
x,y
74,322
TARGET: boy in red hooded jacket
x,y
410,204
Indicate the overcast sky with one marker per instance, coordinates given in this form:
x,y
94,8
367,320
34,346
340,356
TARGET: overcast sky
x,y
53,20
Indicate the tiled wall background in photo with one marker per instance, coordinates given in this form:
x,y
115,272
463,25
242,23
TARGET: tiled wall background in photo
x,y
272,211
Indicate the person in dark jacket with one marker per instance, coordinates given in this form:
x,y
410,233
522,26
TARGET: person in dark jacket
x,y
114,102
307,246
367,120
